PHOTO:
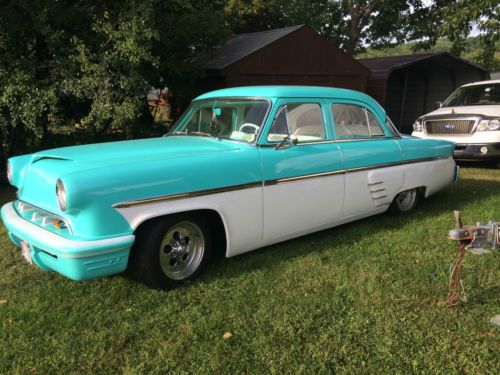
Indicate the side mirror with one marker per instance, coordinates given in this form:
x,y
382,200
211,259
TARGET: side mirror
x,y
439,104
287,142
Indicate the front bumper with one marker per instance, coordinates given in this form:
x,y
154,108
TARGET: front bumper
x,y
464,151
77,260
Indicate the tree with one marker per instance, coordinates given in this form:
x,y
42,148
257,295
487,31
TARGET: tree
x,y
350,24
93,62
461,16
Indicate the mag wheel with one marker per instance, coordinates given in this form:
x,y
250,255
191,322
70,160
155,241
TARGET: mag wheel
x,y
171,251
404,202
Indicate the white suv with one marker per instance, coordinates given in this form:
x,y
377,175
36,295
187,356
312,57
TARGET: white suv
x,y
470,117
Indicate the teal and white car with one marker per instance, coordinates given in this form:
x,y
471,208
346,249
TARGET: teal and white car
x,y
243,168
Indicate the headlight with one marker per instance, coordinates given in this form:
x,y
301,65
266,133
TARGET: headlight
x,y
488,125
61,194
9,173
418,127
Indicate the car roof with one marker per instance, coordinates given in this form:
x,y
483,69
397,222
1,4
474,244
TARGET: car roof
x,y
482,82
285,92
294,92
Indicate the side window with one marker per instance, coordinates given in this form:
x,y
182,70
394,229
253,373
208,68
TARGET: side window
x,y
392,128
352,121
305,120
375,128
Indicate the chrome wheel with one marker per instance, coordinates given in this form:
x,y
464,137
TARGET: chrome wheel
x,y
181,250
405,200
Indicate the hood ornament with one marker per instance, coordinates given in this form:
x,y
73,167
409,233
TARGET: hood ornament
x,y
452,111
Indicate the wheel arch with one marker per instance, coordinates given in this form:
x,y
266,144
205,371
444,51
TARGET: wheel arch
x,y
215,220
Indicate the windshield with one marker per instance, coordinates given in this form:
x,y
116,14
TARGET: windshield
x,y
488,94
236,119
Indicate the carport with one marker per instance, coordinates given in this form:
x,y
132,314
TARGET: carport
x,y
409,86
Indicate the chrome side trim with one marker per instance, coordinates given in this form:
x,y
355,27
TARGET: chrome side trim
x,y
198,193
303,177
251,185
395,163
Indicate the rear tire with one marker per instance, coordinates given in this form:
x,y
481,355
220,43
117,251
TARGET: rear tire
x,y
171,251
404,202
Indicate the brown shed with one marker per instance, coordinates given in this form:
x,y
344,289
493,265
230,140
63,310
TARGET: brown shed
x,y
409,86
289,56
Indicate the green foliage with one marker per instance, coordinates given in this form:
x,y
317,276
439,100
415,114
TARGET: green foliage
x,y
355,24
362,298
350,24
472,50
462,15
93,63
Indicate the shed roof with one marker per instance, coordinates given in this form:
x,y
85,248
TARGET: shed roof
x,y
383,66
240,46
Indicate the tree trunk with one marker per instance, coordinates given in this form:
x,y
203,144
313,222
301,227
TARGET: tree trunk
x,y
354,32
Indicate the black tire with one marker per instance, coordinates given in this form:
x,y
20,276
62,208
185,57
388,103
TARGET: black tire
x,y
404,202
165,257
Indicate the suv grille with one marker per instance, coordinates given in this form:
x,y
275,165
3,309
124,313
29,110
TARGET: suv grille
x,y
455,126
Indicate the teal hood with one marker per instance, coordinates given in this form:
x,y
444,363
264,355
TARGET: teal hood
x,y
102,154
99,175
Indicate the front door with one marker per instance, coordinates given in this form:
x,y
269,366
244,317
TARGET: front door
x,y
303,183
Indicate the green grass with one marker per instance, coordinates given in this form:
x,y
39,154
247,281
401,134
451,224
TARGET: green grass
x,y
361,298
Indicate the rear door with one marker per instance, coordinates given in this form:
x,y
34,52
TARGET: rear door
x,y
371,157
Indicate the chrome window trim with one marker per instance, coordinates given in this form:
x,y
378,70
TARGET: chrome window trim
x,y
261,184
264,120
282,108
379,138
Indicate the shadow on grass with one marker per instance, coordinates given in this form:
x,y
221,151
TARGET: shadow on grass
x,y
490,164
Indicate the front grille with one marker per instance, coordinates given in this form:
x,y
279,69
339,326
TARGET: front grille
x,y
42,218
454,126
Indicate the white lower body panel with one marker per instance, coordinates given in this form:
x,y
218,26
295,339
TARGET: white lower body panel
x,y
260,216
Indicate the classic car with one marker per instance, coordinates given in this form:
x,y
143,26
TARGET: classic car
x,y
242,168
470,117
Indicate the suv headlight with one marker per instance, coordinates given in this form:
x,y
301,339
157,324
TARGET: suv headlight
x,y
61,194
488,125
9,173
418,127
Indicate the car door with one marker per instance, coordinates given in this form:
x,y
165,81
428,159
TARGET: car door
x,y
371,157
303,183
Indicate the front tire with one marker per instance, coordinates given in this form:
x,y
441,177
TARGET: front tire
x,y
404,202
170,251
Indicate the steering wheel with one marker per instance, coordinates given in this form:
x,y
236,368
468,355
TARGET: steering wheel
x,y
249,125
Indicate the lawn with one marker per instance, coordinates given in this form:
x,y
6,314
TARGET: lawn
x,y
361,298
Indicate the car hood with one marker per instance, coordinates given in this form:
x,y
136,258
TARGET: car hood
x,y
474,110
122,152
110,169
